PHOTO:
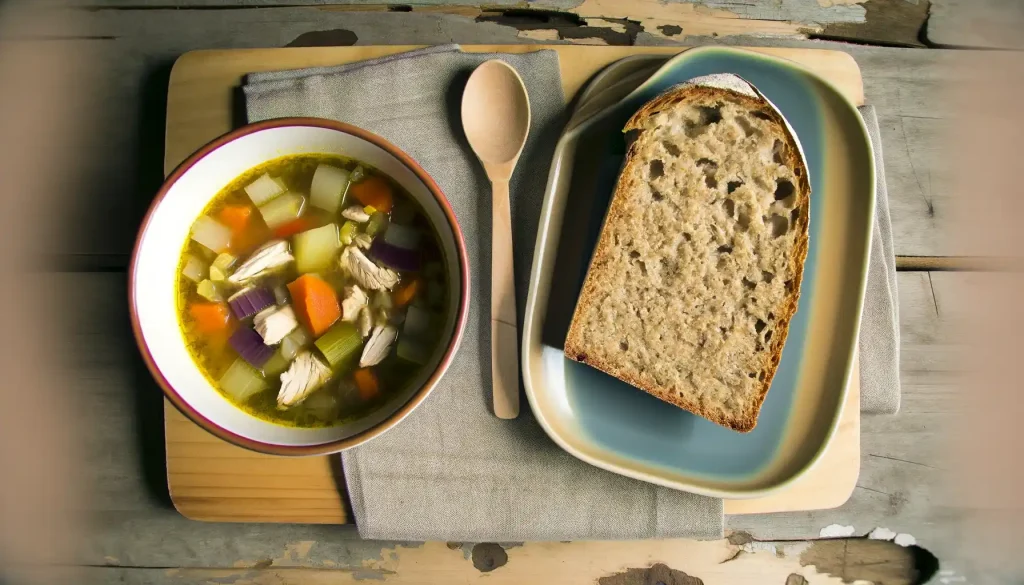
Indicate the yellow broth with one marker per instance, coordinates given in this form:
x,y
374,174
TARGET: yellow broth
x,y
212,352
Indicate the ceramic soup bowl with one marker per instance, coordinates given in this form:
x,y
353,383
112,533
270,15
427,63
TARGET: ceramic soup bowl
x,y
166,228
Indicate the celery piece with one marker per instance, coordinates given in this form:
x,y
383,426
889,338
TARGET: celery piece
x,y
340,342
378,223
348,230
221,267
241,381
209,291
276,365
369,210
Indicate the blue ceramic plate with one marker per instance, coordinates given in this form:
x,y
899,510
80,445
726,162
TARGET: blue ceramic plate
x,y
615,426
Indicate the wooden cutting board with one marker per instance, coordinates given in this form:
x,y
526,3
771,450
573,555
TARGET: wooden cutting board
x,y
210,479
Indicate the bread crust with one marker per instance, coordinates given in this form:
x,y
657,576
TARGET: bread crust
x,y
576,343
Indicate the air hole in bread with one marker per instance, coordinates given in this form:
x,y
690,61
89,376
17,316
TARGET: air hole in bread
x,y
657,169
726,249
581,357
779,152
750,284
722,262
784,189
643,267
759,326
789,286
687,236
794,215
758,346
771,316
767,336
779,225
752,375
733,185
634,254
672,149
709,167
746,126
797,171
656,195
743,221
710,114
761,114
624,345
730,207
760,377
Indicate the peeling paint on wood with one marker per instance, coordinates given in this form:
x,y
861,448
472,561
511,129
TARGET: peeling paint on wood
x,y
693,19
886,22
488,556
875,561
337,37
657,573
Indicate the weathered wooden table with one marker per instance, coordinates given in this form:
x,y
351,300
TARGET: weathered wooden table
x,y
135,536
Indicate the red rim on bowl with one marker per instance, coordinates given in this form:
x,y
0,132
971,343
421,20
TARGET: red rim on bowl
x,y
405,409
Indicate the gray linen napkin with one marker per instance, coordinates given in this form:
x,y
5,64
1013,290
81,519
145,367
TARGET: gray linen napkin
x,y
879,343
451,470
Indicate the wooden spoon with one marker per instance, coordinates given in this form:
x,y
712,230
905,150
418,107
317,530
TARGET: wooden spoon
x,y
496,119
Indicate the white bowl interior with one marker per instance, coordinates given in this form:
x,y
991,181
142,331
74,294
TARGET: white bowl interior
x,y
168,230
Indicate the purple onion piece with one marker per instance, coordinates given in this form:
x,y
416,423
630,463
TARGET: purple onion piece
x,y
394,257
251,302
250,346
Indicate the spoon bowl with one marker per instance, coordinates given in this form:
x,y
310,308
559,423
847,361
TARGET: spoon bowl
x,y
496,120
496,115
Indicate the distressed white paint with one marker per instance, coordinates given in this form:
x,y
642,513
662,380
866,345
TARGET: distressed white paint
x,y
905,539
881,533
836,531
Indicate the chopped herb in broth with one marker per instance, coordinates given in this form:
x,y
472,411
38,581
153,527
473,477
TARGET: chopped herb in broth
x,y
312,289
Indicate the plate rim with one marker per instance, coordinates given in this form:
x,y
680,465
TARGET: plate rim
x,y
544,226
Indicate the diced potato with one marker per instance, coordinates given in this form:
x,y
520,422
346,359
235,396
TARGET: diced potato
x,y
315,249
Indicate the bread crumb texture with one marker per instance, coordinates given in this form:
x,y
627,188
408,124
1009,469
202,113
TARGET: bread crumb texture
x,y
697,271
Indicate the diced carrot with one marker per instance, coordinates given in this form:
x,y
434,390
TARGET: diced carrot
x,y
404,295
299,224
374,191
315,303
235,217
366,382
210,317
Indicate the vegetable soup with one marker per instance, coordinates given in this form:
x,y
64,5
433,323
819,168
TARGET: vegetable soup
x,y
313,288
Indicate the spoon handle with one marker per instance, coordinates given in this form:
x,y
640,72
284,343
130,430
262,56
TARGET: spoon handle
x,y
504,335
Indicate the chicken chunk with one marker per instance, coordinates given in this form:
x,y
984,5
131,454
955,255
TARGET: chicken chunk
x,y
355,300
356,214
275,323
363,241
376,348
367,274
304,375
274,254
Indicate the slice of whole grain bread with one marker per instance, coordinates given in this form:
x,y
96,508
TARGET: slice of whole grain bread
x,y
697,271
